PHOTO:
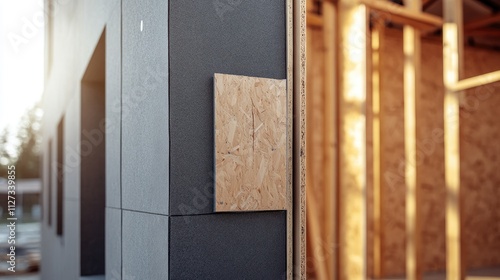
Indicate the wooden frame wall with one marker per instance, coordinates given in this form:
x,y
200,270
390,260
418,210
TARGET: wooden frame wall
x,y
415,23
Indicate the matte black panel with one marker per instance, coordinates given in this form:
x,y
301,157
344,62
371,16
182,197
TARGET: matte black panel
x,y
145,152
228,246
207,37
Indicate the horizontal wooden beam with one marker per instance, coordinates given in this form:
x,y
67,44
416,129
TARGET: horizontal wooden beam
x,y
475,24
399,14
314,20
483,32
477,81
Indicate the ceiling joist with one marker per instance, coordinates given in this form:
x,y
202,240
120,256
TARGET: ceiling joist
x,y
482,22
399,14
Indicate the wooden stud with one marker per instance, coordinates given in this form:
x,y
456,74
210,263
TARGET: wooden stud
x,y
352,58
378,238
329,167
411,46
399,14
452,33
299,98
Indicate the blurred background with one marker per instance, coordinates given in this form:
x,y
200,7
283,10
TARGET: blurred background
x,y
21,87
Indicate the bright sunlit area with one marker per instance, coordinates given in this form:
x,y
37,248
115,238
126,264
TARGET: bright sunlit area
x,y
21,86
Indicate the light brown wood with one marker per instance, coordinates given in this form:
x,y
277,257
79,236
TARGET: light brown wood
x,y
378,237
476,81
250,143
329,166
299,137
352,62
412,54
315,237
482,22
314,20
452,61
402,15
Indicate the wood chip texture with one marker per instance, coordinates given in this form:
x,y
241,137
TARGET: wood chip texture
x,y
250,143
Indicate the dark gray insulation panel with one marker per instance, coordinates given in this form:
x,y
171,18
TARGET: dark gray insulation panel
x,y
249,245
207,37
145,148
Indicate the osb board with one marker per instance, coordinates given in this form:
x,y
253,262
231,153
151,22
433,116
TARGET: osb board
x,y
250,143
480,163
430,170
392,153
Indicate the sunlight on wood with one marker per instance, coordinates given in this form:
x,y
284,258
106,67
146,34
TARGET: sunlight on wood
x,y
452,47
377,38
353,26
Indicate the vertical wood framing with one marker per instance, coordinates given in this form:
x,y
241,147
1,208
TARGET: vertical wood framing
x,y
411,46
329,167
378,238
296,23
452,50
352,58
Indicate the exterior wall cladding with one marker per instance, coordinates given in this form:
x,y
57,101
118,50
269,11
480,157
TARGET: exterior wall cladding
x,y
153,60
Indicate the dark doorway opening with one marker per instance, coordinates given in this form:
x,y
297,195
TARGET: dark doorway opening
x,y
93,164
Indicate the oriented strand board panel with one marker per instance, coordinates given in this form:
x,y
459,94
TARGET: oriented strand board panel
x,y
250,143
